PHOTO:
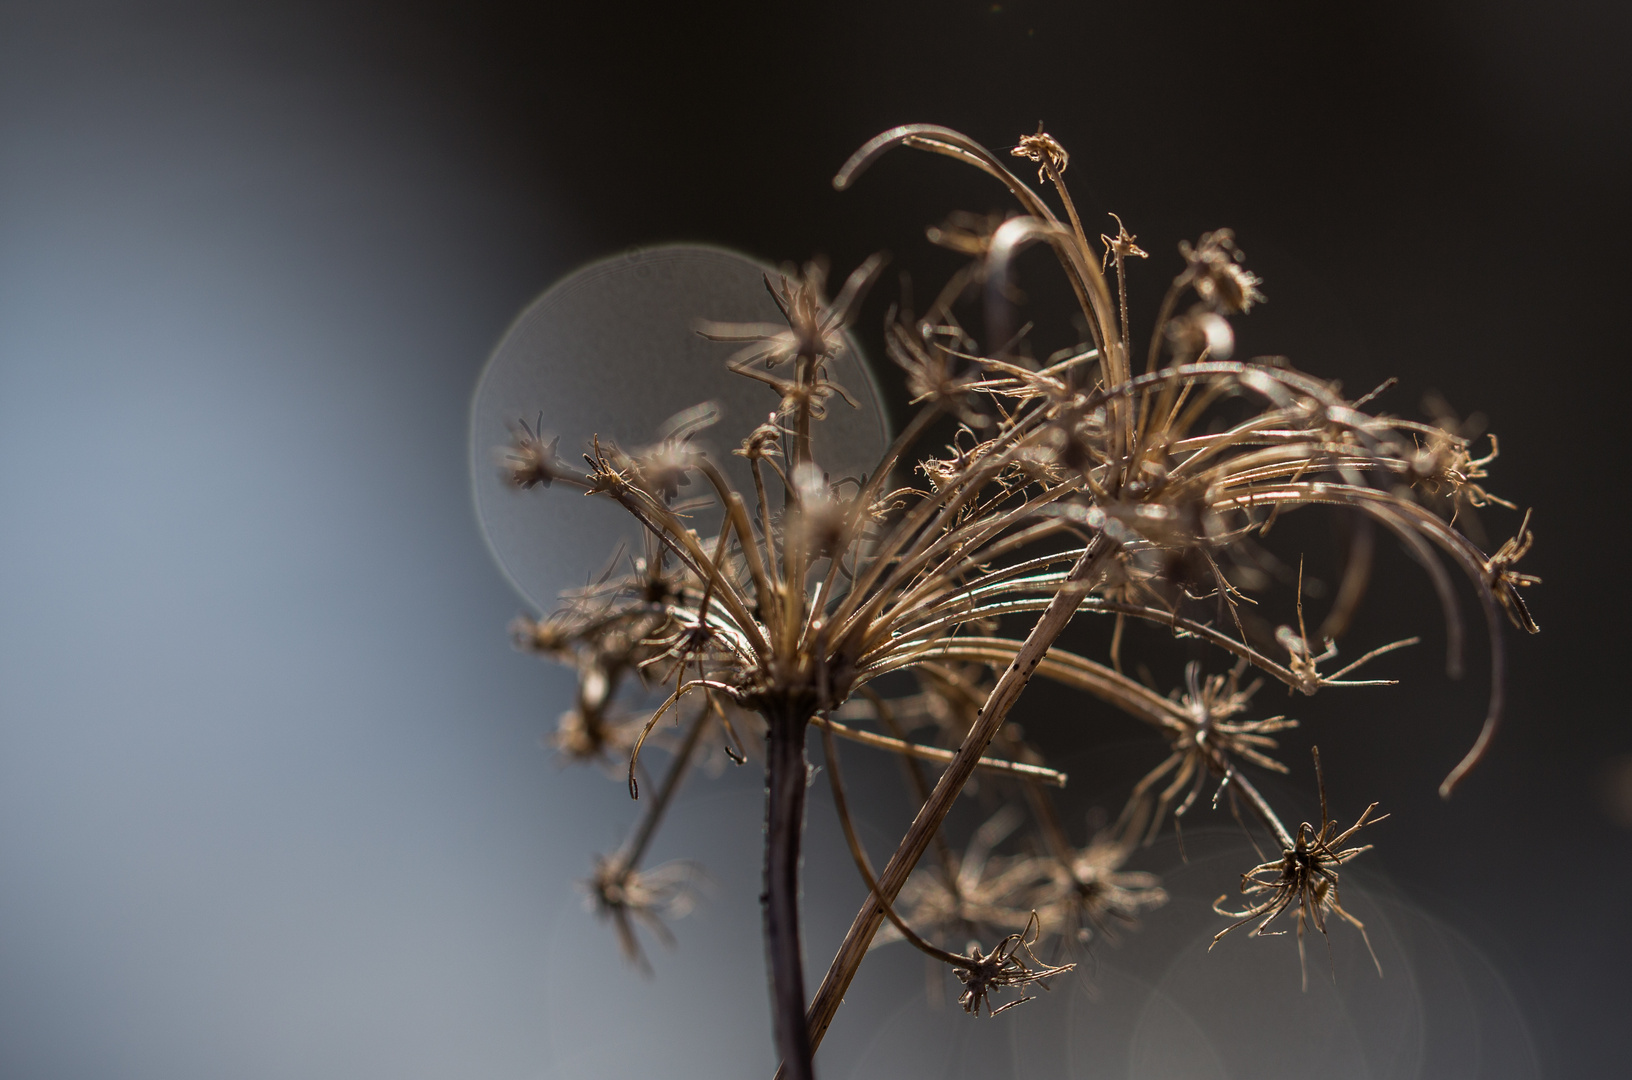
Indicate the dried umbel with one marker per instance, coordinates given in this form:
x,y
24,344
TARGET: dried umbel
x,y
907,608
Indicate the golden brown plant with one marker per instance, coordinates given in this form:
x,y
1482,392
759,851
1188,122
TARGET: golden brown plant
x,y
1083,483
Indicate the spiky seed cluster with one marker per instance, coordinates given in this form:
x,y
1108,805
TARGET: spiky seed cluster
x,y
1083,483
624,896
1004,967
1303,879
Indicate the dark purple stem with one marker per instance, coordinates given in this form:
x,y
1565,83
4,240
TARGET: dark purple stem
x,y
785,783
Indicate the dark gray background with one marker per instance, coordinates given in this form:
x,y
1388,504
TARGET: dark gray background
x,y
271,797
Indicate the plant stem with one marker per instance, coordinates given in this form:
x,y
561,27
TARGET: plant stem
x,y
990,719
635,847
785,778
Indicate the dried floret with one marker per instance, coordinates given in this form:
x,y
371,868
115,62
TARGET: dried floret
x,y
1304,878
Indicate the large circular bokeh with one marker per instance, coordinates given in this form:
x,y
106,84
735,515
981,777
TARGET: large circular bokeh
x,y
611,350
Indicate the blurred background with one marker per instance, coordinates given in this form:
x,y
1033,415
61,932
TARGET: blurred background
x,y
272,796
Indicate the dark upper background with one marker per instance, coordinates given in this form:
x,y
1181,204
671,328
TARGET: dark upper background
x,y
259,731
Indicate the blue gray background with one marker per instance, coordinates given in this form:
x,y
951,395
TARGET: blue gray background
x,y
272,800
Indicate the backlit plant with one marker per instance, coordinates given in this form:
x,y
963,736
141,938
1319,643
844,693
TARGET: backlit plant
x,y
1112,480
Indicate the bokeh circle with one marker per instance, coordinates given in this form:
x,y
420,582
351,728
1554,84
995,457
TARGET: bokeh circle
x,y
611,351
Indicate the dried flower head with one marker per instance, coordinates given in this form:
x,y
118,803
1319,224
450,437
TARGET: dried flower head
x,y
1046,151
530,461
1303,878
1217,275
625,896
1004,968
1019,496
1089,892
1121,246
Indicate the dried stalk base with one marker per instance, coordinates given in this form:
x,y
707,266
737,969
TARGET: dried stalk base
x,y
785,783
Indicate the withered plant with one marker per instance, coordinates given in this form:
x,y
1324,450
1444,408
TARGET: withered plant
x,y
1131,482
